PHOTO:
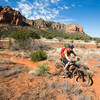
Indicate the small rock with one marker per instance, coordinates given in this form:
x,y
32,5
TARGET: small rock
x,y
19,66
81,97
3,68
52,84
48,74
2,61
98,66
30,79
9,62
31,71
26,56
11,73
77,91
51,59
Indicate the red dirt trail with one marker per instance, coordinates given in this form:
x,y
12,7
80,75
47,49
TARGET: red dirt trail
x,y
30,64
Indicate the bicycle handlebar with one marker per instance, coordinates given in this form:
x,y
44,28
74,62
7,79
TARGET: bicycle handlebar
x,y
74,61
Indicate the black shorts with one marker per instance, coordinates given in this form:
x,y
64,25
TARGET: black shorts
x,y
65,61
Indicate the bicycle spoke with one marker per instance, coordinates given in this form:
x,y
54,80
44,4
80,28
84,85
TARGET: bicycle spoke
x,y
59,69
81,77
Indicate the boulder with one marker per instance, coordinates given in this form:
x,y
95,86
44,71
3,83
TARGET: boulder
x,y
2,68
12,72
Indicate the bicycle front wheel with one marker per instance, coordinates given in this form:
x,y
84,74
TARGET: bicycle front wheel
x,y
81,77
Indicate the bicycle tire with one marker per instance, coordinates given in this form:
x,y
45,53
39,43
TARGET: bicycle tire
x,y
59,69
83,74
91,81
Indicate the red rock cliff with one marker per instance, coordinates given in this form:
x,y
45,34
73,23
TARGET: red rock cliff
x,y
8,15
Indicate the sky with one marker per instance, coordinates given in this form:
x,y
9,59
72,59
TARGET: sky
x,y
85,13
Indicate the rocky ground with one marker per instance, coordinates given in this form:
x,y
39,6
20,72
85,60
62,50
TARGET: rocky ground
x,y
16,83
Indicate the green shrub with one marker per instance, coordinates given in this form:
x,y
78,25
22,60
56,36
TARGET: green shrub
x,y
4,34
42,69
24,35
38,55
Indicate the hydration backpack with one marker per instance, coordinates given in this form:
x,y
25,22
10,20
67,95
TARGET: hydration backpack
x,y
62,52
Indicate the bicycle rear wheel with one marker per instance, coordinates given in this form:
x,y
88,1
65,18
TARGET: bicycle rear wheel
x,y
81,77
59,69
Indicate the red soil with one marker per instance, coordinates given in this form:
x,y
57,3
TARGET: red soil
x,y
96,78
31,65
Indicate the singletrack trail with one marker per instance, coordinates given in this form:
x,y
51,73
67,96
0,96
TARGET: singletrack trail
x,y
31,65
27,62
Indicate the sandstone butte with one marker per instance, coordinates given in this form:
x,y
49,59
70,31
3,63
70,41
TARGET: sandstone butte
x,y
11,16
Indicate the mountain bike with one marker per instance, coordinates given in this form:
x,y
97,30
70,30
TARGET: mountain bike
x,y
78,73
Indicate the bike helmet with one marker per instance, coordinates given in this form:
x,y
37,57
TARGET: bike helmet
x,y
70,46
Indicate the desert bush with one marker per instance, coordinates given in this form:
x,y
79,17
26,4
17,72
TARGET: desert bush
x,y
23,36
41,69
38,55
40,45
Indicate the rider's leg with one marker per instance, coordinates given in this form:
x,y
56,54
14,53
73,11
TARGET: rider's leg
x,y
65,61
66,66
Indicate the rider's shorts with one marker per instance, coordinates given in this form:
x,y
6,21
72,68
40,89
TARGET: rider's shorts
x,y
65,61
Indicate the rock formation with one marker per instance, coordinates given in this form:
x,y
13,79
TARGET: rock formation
x,y
73,28
9,15
58,26
29,22
40,23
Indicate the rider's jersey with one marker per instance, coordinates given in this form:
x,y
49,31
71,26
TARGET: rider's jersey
x,y
66,52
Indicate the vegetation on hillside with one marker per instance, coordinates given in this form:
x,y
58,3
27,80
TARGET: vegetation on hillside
x,y
24,33
76,36
22,37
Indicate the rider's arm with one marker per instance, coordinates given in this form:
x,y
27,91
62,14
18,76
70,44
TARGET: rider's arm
x,y
67,56
73,53
76,56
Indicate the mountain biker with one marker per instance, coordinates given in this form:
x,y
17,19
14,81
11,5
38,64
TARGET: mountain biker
x,y
65,54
